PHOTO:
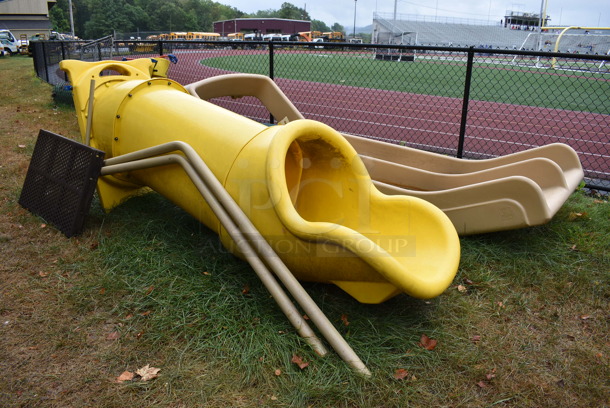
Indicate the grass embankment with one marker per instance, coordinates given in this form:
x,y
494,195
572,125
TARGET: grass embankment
x,y
524,325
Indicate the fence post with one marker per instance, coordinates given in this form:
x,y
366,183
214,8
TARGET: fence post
x,y
45,59
63,57
271,66
160,47
271,73
460,149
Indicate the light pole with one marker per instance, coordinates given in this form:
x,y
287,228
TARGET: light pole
x,y
355,2
71,19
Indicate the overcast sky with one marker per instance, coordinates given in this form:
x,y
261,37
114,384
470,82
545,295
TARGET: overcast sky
x,y
590,13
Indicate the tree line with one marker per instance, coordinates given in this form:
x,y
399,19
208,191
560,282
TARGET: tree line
x,y
98,18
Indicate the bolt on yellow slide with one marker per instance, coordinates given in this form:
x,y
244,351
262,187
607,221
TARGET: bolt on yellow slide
x,y
302,185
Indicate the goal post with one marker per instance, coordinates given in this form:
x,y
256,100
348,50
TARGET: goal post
x,y
563,32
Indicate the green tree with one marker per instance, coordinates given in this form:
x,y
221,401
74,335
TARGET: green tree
x,y
96,18
138,17
176,18
338,27
107,16
366,37
317,25
59,17
206,12
269,13
81,12
290,11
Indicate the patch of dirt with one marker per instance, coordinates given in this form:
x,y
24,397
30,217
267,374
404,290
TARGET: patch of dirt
x,y
46,359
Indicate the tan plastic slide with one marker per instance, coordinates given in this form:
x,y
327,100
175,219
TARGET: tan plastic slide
x,y
508,192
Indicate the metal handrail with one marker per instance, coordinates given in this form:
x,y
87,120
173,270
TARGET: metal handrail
x,y
248,239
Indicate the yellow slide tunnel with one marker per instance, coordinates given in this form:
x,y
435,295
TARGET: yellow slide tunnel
x,y
302,184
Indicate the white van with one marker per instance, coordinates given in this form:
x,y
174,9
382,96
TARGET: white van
x,y
253,37
272,37
9,42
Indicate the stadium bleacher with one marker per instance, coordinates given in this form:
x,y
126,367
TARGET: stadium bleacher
x,y
414,31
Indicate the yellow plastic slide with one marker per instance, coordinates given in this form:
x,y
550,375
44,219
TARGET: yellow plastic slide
x,y
508,192
302,184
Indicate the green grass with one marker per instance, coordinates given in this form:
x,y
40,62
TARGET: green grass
x,y
525,294
529,326
505,83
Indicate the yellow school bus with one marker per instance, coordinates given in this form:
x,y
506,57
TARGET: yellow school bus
x,y
203,36
178,36
236,36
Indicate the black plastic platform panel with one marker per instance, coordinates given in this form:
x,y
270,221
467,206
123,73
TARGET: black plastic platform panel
x,y
60,181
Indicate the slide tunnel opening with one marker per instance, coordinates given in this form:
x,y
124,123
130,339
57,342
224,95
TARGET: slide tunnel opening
x,y
322,183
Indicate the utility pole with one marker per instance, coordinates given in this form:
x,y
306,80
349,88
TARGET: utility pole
x,y
355,2
71,18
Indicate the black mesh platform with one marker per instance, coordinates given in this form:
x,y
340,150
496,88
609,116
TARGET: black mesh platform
x,y
60,181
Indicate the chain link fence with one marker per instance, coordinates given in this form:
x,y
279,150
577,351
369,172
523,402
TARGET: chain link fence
x,y
465,102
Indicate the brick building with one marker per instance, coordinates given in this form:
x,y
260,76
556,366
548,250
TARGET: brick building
x,y
261,26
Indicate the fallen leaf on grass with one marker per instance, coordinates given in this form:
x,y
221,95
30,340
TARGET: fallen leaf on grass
x,y
278,372
462,288
401,374
245,290
125,376
149,290
147,372
576,215
427,343
113,335
344,319
475,339
298,360
488,378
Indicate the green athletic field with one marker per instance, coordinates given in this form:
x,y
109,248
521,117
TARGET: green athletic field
x,y
496,82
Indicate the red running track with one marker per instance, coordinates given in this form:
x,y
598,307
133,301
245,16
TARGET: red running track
x,y
425,121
